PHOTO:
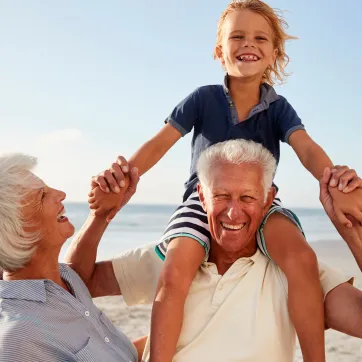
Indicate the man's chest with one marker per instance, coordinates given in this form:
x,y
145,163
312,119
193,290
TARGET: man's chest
x,y
242,313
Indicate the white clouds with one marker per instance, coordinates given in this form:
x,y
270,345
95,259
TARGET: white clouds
x,y
60,137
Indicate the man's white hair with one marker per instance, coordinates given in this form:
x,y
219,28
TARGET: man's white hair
x,y
237,152
16,180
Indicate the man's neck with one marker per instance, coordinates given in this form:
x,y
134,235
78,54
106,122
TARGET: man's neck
x,y
224,259
43,265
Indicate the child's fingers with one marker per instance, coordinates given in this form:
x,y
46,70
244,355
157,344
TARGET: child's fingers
x,y
346,178
100,180
123,164
352,185
118,174
337,172
111,181
93,205
92,199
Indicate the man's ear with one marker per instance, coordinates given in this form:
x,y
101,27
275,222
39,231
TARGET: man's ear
x,y
269,200
201,196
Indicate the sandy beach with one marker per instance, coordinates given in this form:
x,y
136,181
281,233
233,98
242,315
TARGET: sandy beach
x,y
134,321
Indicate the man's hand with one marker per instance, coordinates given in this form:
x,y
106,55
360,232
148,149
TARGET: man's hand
x,y
347,197
350,233
120,181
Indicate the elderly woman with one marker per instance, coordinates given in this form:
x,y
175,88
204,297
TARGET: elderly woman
x,y
46,311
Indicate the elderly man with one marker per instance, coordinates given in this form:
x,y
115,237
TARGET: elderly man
x,y
46,311
236,309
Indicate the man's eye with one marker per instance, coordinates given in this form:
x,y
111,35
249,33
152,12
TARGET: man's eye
x,y
43,195
247,198
221,196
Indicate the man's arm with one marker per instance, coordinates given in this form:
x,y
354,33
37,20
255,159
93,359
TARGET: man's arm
x,y
351,235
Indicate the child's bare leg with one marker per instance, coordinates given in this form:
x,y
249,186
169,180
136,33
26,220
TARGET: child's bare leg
x,y
288,248
183,258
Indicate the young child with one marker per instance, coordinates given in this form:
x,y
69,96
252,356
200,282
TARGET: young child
x,y
251,48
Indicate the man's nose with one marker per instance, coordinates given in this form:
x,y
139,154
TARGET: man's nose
x,y
235,210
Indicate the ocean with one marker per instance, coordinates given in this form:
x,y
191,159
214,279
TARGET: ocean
x,y
136,225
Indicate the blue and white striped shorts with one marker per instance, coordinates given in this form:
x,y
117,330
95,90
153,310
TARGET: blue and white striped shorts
x,y
190,220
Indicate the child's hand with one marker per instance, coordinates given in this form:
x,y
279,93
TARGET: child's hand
x,y
114,178
346,179
107,202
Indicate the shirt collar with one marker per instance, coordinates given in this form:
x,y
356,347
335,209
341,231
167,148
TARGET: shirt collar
x,y
33,290
247,259
268,94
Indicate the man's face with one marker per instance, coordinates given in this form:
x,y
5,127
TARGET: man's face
x,y
235,206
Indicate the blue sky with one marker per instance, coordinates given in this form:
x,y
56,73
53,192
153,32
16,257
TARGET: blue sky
x,y
83,81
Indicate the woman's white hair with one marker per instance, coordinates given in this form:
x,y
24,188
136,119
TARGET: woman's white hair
x,y
16,180
237,152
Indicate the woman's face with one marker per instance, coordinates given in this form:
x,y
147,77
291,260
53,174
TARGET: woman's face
x,y
43,211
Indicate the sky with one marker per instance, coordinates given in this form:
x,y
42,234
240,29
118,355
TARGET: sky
x,y
84,81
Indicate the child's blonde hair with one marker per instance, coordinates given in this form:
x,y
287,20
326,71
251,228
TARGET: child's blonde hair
x,y
276,73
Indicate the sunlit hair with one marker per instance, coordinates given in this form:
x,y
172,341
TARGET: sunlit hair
x,y
16,181
276,73
237,152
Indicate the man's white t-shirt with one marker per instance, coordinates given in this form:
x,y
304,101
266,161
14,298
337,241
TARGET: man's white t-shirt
x,y
239,316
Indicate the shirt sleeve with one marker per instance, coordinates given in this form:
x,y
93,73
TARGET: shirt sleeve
x,y
137,272
185,114
287,120
329,277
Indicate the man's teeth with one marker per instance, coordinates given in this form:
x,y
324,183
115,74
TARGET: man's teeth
x,y
253,58
232,227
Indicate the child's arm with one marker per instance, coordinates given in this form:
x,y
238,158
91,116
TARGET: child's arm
x,y
114,178
310,154
315,160
154,149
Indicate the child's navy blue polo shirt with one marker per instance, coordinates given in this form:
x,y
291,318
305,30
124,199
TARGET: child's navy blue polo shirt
x,y
211,113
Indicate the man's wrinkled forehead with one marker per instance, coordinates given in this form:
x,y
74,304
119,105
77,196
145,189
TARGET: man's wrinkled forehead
x,y
246,176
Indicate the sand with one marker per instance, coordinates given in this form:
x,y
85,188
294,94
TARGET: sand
x,y
134,321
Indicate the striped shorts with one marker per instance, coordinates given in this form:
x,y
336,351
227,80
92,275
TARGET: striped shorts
x,y
190,220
